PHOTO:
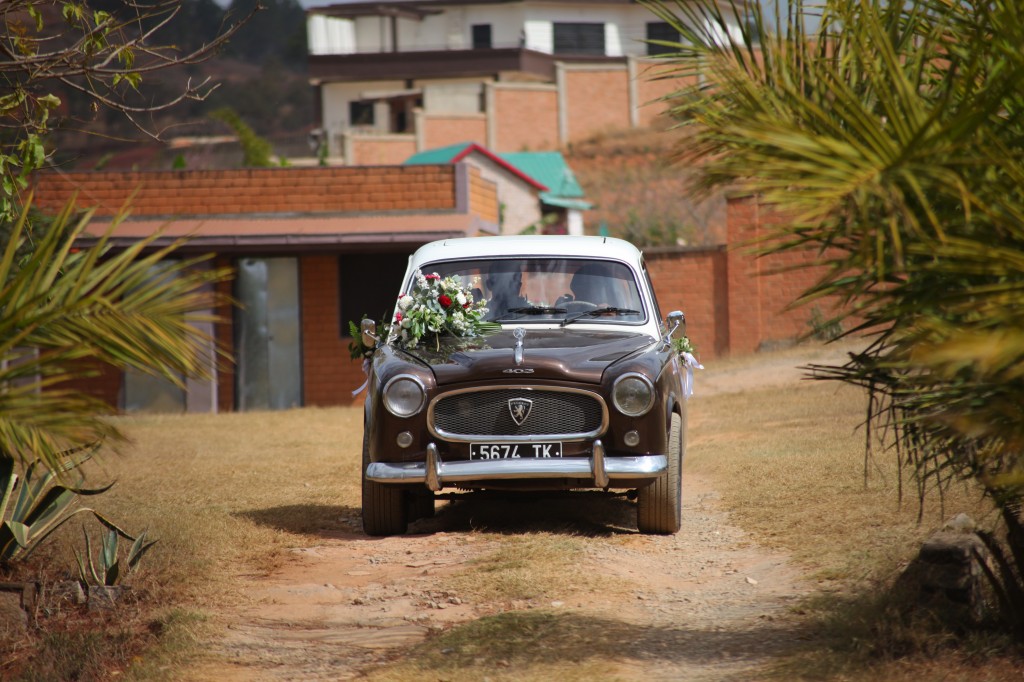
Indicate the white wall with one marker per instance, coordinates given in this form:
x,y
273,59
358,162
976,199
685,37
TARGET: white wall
x,y
625,28
462,96
335,99
330,35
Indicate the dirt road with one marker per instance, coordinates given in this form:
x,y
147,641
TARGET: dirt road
x,y
705,604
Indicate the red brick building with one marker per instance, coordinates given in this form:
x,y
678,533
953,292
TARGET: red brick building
x,y
315,248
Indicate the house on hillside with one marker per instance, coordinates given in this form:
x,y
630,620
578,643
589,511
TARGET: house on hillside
x,y
398,77
556,209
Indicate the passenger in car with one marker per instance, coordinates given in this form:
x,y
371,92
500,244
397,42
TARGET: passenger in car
x,y
504,282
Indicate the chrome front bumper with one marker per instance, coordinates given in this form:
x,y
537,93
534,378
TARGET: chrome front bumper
x,y
435,474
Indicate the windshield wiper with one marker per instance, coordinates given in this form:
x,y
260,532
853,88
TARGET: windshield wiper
x,y
536,310
599,311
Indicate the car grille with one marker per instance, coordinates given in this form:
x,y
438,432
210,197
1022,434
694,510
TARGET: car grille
x,y
558,415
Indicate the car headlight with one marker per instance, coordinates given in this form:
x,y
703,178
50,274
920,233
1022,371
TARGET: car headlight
x,y
633,394
404,395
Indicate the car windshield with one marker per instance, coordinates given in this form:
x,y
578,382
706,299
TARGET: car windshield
x,y
550,289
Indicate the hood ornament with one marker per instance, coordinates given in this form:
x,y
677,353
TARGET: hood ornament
x,y
519,333
520,409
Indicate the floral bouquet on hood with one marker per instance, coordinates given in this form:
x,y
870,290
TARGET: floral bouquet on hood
x,y
438,306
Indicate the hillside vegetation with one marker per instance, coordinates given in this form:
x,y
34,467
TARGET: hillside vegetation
x,y
641,193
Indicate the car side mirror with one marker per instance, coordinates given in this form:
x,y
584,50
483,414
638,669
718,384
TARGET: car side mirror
x,y
674,321
368,329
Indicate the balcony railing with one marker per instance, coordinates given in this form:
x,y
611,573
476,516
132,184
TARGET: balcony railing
x,y
441,64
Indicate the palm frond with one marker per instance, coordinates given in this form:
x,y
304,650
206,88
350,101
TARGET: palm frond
x,y
66,309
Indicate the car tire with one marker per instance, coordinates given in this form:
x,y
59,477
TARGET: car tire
x,y
385,507
659,506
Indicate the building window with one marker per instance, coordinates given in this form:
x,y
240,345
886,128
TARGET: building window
x,y
481,36
579,39
369,284
360,113
660,30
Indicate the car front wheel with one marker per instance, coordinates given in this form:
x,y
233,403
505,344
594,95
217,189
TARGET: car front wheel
x,y
385,509
659,505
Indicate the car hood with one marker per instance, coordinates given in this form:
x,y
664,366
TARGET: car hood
x,y
567,354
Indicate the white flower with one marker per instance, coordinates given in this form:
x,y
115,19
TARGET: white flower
x,y
405,302
461,298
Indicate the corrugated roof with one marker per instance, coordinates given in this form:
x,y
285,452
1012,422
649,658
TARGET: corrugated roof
x,y
544,168
438,155
454,153
549,168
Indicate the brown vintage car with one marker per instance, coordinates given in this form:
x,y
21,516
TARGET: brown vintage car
x,y
575,386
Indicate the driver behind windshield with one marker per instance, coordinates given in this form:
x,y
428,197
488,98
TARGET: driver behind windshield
x,y
592,283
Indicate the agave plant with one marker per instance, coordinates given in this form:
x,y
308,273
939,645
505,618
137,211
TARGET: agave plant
x,y
107,569
889,134
35,505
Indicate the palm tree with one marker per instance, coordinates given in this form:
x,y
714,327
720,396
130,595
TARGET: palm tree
x,y
65,309
890,134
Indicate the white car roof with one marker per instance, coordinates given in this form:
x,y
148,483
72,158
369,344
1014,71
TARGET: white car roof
x,y
527,245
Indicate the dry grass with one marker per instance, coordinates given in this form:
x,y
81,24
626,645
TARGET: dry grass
x,y
791,465
232,490
229,493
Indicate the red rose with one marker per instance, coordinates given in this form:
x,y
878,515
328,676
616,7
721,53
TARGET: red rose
x,y
398,316
432,276
444,300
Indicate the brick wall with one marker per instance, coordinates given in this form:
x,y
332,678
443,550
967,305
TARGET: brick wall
x,y
104,383
483,197
525,117
650,87
760,290
270,190
440,130
596,100
383,150
328,375
693,281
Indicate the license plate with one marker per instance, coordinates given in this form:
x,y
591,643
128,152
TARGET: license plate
x,y
514,450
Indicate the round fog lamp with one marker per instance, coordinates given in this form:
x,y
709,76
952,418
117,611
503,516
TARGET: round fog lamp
x,y
631,439
404,439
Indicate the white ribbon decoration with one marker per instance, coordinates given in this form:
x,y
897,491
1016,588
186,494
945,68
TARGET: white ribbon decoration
x,y
691,364
366,371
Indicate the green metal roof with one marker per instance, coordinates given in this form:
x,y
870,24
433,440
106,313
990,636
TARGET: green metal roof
x,y
546,168
438,155
549,168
